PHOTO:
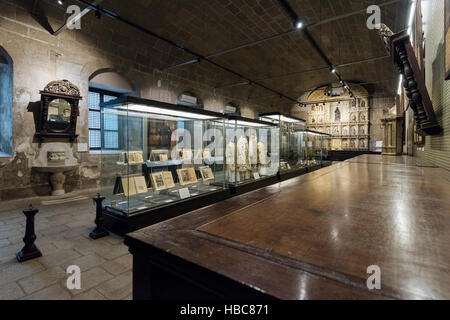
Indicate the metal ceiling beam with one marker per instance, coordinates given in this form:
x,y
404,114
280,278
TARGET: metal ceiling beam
x,y
395,79
304,71
78,17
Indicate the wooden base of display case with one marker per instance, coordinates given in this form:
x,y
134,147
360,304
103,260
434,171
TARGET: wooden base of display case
x,y
121,224
158,275
314,167
286,175
253,185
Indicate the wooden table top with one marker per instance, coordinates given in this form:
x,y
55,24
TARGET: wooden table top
x,y
313,237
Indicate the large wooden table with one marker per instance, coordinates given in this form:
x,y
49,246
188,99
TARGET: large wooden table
x,y
312,237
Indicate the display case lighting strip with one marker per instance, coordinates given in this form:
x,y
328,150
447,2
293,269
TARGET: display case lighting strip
x,y
167,112
250,124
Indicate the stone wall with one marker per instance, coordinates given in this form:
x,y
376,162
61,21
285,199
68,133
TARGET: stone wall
x,y
437,148
76,55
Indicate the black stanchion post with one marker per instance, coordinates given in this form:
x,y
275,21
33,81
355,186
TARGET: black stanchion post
x,y
100,231
30,251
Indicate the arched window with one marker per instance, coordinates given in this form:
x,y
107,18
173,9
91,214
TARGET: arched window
x,y
6,104
104,86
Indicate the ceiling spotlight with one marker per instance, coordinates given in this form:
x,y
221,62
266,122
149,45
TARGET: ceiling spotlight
x,y
60,2
333,70
299,25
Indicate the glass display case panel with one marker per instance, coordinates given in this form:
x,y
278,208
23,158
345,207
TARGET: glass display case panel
x,y
156,154
326,146
292,140
252,150
314,148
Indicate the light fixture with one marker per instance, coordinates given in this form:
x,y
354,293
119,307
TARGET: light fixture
x,y
399,92
60,2
299,25
412,13
333,70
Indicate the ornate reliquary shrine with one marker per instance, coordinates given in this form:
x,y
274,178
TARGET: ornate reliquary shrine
x,y
57,117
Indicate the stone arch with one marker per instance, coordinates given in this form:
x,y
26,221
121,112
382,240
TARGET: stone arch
x,y
6,103
111,79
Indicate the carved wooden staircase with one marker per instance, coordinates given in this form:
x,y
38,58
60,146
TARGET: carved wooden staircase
x,y
414,83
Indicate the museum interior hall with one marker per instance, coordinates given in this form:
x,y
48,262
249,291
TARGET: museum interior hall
x,y
192,150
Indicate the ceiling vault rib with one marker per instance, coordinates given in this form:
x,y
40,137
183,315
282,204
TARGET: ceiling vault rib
x,y
347,15
279,35
200,57
304,71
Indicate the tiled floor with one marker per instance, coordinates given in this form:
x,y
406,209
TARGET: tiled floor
x,y
63,238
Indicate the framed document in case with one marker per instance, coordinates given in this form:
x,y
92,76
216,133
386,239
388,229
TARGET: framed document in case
x,y
141,185
157,181
168,179
129,186
206,173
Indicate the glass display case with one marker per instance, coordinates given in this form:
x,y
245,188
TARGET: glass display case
x,y
156,154
326,146
293,153
252,150
314,148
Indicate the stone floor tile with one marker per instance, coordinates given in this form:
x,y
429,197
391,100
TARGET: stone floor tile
x,y
117,288
90,295
54,292
42,279
4,243
76,232
11,291
85,262
52,230
114,239
59,257
14,271
91,279
8,227
12,233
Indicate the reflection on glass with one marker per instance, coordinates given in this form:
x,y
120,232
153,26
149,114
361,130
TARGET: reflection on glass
x,y
59,115
163,154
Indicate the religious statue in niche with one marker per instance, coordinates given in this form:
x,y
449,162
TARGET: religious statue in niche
x,y
345,131
353,131
354,117
336,131
362,144
352,144
363,104
362,131
363,117
337,115
328,130
344,144
313,108
320,119
313,120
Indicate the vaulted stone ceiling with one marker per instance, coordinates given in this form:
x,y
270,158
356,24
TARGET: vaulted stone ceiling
x,y
235,33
